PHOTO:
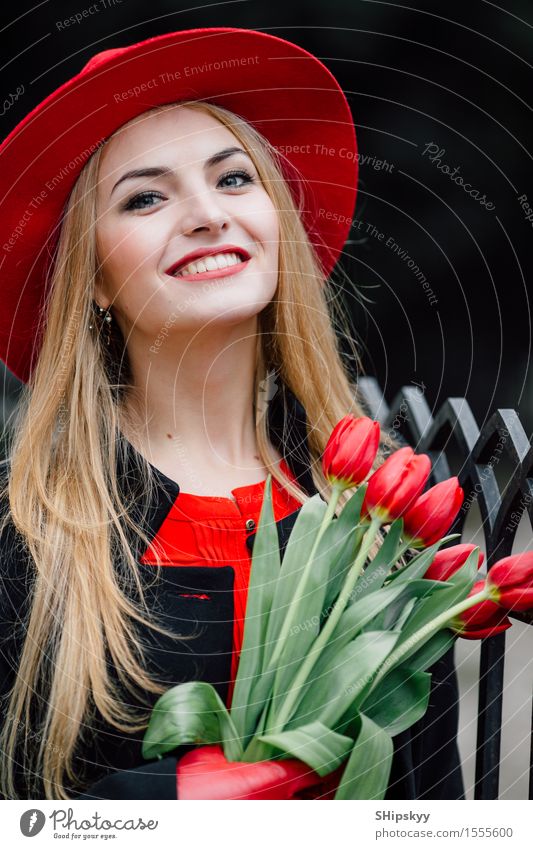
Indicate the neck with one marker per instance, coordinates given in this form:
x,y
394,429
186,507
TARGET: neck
x,y
195,395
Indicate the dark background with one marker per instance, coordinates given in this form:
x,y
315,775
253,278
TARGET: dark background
x,y
454,74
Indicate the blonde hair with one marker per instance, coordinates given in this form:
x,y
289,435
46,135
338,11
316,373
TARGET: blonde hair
x,y
62,490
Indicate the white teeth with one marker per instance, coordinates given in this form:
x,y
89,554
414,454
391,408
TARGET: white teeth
x,y
210,263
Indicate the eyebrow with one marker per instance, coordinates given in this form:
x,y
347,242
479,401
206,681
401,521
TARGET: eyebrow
x,y
165,171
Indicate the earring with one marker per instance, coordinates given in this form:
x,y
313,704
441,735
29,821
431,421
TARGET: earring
x,y
105,316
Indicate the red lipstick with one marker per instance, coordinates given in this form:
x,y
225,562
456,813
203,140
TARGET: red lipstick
x,y
200,253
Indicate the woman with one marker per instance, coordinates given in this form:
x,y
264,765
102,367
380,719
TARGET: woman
x,y
162,387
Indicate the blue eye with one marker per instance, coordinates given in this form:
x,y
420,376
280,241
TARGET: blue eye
x,y
141,200
244,174
143,196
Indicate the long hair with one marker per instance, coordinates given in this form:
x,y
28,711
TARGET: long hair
x,y
62,493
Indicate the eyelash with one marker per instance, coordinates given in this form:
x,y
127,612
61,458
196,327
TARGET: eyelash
x,y
130,204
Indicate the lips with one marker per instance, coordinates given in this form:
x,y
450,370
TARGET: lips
x,y
200,253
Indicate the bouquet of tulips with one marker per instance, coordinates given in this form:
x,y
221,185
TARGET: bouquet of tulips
x,y
339,635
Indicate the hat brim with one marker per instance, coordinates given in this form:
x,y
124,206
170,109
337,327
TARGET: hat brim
x,y
285,92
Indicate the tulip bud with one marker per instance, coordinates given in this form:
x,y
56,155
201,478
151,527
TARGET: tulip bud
x,y
511,581
448,561
396,484
433,513
481,620
351,450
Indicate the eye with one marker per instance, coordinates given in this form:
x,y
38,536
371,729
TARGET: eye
x,y
247,178
140,201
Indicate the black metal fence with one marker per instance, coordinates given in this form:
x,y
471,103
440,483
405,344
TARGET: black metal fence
x,y
452,435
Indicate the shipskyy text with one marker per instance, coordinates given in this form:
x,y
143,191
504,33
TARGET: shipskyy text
x,y
408,815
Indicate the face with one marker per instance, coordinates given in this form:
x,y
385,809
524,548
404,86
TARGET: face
x,y
190,195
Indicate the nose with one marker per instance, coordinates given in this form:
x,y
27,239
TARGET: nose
x,y
201,212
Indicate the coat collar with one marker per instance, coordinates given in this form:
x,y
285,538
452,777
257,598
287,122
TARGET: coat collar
x,y
287,429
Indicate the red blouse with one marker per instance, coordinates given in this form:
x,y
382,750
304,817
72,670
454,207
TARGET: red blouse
x,y
211,531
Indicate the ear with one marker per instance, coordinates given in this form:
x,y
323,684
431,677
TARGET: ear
x,y
99,293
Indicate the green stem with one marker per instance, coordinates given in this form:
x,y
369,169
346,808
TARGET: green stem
x,y
331,622
423,633
287,622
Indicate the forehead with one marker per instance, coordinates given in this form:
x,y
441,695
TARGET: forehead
x,y
177,135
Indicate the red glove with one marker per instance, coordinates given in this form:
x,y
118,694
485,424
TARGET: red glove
x,y
205,773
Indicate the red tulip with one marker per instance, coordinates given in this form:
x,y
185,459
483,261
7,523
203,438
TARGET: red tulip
x,y
484,619
351,450
396,484
432,514
511,581
448,561
204,773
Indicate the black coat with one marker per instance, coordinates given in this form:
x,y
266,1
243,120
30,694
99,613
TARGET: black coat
x,y
425,763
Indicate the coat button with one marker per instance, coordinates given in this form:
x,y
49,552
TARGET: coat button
x,y
250,524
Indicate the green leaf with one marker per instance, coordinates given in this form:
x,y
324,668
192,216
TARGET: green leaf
x,y
401,699
431,651
296,555
345,527
418,588
249,691
379,568
332,691
367,772
455,589
192,712
417,567
319,747
306,610
354,619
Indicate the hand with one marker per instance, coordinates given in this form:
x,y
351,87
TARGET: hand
x,y
204,773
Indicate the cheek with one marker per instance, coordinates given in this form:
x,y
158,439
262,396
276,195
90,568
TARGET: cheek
x,y
124,251
270,230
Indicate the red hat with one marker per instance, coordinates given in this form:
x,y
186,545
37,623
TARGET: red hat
x,y
286,93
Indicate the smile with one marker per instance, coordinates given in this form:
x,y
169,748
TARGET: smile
x,y
219,265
